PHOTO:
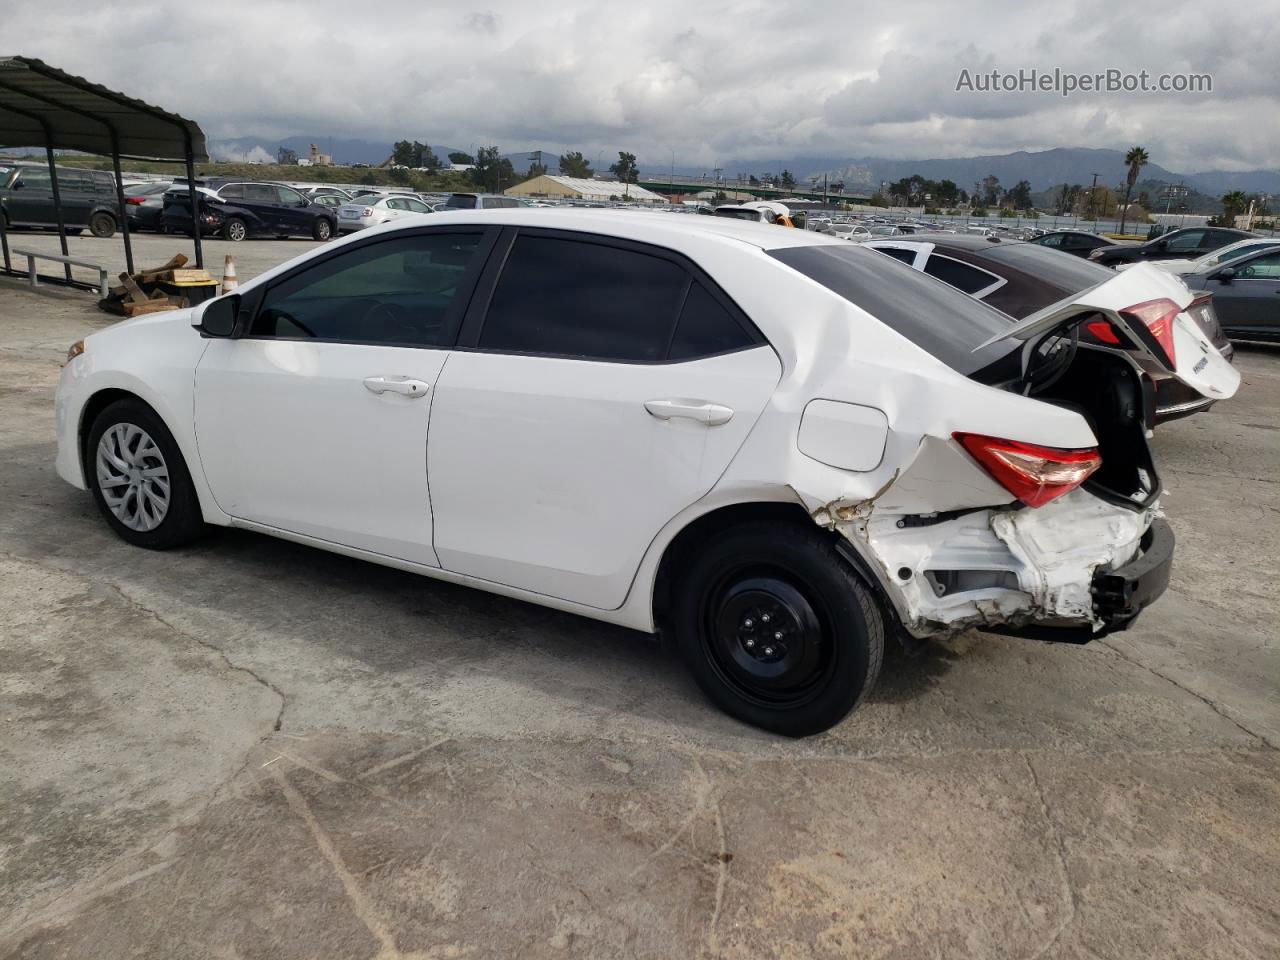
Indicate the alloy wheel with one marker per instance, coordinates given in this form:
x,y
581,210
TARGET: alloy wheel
x,y
133,477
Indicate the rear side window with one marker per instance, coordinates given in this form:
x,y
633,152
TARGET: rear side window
x,y
900,254
580,299
959,275
706,327
462,201
933,316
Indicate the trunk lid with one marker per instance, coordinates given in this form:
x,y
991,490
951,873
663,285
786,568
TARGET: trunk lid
x,y
1148,310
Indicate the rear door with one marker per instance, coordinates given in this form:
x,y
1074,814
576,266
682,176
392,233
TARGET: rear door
x,y
263,201
599,388
1147,310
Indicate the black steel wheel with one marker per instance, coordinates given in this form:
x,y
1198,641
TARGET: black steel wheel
x,y
777,628
102,225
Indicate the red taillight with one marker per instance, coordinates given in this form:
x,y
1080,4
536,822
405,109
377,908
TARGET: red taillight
x,y
1158,316
368,212
135,201
1103,331
1033,474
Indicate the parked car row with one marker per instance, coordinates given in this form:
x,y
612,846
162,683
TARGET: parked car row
x,y
783,449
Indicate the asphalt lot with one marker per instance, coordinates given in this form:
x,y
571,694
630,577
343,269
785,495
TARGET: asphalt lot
x,y
250,749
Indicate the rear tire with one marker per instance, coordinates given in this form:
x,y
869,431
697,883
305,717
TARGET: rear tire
x,y
102,225
321,230
139,479
235,230
777,628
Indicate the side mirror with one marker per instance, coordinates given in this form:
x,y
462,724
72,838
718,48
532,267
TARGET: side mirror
x,y
1162,245
219,317
1225,274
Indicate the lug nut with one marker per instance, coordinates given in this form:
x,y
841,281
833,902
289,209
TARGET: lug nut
x,y
765,618
748,623
750,643
768,651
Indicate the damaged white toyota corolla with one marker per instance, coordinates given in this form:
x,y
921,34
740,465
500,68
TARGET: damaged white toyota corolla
x,y
775,445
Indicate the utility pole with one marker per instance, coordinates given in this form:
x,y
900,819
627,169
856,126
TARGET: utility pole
x,y
824,191
1093,202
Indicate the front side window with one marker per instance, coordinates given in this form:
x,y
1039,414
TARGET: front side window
x,y
33,179
582,299
1052,240
1260,268
401,291
291,197
462,201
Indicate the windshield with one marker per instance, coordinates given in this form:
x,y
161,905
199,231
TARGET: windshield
x,y
932,315
462,201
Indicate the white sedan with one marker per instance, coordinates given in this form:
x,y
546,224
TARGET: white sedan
x,y
1241,248
370,211
778,446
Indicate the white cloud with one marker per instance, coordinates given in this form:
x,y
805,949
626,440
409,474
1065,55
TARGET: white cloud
x,y
711,81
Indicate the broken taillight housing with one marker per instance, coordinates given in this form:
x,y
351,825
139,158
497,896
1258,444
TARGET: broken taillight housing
x,y
1033,474
1158,316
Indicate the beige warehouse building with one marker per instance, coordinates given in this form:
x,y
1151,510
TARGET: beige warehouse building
x,y
575,188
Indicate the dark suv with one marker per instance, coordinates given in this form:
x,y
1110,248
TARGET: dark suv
x,y
88,198
237,209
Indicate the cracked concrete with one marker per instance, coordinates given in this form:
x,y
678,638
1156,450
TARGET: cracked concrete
x,y
250,749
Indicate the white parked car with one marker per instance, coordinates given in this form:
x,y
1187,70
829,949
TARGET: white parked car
x,y
779,446
371,211
1240,248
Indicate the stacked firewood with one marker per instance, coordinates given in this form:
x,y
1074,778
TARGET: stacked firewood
x,y
143,291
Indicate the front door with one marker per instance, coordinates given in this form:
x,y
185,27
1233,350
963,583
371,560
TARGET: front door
x,y
1250,300
315,421
578,417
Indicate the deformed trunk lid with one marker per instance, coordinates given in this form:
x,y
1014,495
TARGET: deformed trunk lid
x,y
1198,363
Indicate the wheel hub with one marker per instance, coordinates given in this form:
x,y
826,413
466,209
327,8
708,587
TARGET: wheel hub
x,y
768,638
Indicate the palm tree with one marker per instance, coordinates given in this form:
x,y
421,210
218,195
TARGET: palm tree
x,y
1136,159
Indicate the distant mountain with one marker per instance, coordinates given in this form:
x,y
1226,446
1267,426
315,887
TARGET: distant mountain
x,y
1044,169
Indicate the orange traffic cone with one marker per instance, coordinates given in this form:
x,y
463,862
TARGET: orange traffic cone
x,y
229,282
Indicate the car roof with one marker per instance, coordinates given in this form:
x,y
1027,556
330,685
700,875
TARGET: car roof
x,y
644,226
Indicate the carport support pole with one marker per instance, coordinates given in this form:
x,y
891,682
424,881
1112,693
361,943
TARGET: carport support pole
x,y
194,197
57,206
124,211
4,245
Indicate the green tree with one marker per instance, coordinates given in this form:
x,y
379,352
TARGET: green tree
x,y
1019,198
493,172
625,169
426,157
459,157
535,170
402,153
788,180
574,164
1136,158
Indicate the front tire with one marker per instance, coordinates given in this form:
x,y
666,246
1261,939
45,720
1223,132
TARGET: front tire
x,y
235,230
777,628
139,479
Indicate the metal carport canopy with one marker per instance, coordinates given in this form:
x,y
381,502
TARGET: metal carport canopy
x,y
43,106
37,100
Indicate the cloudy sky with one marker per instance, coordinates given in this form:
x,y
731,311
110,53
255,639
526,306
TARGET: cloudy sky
x,y
710,81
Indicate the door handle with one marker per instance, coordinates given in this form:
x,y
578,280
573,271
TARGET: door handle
x,y
711,414
402,385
